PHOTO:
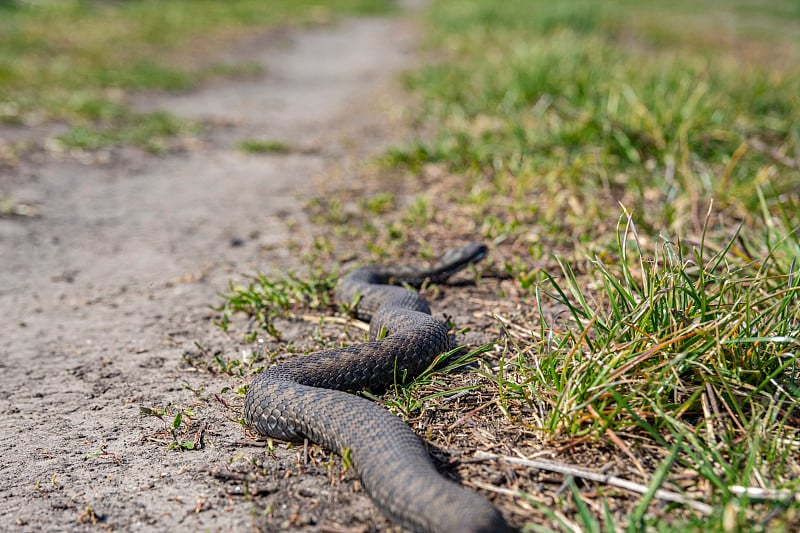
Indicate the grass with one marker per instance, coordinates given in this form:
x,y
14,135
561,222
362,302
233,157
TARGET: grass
x,y
672,335
261,146
677,349
636,167
150,131
265,299
658,132
11,207
178,432
75,60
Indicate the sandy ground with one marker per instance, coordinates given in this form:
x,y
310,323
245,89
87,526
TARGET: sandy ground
x,y
104,292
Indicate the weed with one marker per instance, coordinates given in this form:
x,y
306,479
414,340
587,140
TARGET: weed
x,y
89,516
380,203
11,207
177,426
256,146
265,299
104,454
149,131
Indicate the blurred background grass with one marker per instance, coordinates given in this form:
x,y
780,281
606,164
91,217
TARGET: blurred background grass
x,y
75,60
657,105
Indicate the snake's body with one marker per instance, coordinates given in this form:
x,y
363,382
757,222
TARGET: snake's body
x,y
304,398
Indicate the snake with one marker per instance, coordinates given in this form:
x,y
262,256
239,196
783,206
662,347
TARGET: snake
x,y
308,397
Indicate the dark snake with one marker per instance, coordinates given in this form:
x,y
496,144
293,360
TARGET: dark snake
x,y
303,398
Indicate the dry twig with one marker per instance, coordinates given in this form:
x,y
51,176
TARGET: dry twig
x,y
576,471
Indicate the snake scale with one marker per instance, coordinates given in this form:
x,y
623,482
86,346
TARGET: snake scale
x,y
305,398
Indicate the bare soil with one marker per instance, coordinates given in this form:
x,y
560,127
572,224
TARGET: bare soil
x,y
106,292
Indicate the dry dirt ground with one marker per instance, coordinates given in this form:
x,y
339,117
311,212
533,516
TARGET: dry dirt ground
x,y
105,292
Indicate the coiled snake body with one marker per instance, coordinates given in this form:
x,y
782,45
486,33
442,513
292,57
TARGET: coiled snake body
x,y
303,398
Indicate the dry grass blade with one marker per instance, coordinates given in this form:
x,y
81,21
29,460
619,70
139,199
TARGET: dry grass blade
x,y
577,471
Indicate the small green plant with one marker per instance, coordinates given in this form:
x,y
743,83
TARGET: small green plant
x,y
256,146
104,454
150,131
264,299
177,427
419,213
11,207
89,516
381,203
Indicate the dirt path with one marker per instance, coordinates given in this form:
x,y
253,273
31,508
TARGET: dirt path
x,y
104,292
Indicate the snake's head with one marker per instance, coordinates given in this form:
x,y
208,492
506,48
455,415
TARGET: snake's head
x,y
463,256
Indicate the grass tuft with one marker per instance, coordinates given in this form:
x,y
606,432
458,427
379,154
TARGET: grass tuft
x,y
257,146
150,131
265,299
